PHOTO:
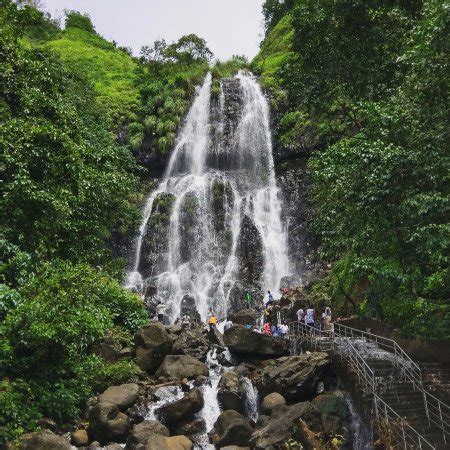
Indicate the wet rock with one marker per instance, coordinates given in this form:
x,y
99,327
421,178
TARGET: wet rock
x,y
189,308
153,343
183,409
192,343
107,424
232,391
46,440
190,428
271,401
79,438
142,432
296,377
231,428
243,341
244,316
335,414
178,367
283,425
137,412
123,396
158,442
216,337
154,242
234,447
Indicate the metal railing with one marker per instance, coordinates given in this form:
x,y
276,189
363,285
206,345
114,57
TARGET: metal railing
x,y
391,426
437,412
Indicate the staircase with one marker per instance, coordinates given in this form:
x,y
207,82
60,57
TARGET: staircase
x,y
407,415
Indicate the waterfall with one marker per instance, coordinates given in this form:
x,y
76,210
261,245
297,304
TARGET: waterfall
x,y
220,179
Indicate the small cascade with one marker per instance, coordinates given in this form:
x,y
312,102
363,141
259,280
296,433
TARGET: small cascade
x,y
217,213
251,400
362,436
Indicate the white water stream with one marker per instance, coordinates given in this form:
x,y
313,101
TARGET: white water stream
x,y
201,262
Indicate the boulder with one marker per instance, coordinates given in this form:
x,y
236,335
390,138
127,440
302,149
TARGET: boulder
x,y
189,308
183,409
296,377
335,414
153,343
107,423
46,440
241,340
141,433
232,392
123,396
181,366
158,442
234,447
283,425
271,401
126,352
107,352
192,343
244,316
79,438
231,428
113,447
190,428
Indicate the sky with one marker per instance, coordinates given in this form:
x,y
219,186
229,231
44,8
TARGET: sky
x,y
229,26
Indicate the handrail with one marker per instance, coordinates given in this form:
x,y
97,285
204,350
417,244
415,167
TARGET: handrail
x,y
437,412
344,348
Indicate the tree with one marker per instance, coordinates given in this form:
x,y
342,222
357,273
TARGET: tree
x,y
188,49
78,20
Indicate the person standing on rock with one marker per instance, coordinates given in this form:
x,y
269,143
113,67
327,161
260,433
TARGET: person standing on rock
x,y
248,298
212,322
160,310
228,325
269,298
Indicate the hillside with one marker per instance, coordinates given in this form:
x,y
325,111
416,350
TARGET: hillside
x,y
363,89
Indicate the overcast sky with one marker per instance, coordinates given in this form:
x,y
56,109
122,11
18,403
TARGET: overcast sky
x,y
229,26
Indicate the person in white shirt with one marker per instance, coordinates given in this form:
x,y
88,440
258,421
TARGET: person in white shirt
x,y
160,310
310,316
300,314
228,324
284,328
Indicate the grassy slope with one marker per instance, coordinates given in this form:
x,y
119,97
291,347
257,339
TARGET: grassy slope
x,y
274,50
111,71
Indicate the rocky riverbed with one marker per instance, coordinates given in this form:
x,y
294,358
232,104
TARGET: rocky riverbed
x,y
202,390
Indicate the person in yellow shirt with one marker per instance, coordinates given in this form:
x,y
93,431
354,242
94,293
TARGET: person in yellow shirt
x,y
212,322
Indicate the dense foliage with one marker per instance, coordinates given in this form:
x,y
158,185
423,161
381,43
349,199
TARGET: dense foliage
x,y
366,83
67,188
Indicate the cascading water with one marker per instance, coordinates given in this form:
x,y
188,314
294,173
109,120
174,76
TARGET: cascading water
x,y
220,179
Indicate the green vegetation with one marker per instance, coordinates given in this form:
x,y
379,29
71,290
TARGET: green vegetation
x,y
366,83
111,71
67,189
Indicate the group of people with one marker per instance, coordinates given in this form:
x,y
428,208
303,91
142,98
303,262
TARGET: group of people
x,y
309,317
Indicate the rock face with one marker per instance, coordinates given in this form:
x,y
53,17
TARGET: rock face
x,y
241,340
123,396
296,377
192,343
154,242
107,424
153,343
335,414
181,366
46,440
158,442
143,431
232,392
231,428
183,409
283,426
271,401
